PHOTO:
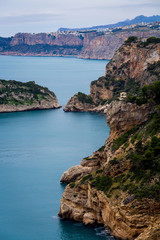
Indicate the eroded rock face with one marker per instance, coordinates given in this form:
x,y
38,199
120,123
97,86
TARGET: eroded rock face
x,y
44,38
86,204
87,166
37,106
104,46
121,213
131,60
151,233
91,45
74,105
75,173
122,116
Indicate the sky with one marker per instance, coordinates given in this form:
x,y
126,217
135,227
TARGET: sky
x,y
48,15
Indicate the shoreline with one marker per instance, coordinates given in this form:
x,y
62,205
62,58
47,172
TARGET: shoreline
x,y
30,109
49,55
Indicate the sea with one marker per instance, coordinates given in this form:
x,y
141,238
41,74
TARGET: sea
x,y
36,147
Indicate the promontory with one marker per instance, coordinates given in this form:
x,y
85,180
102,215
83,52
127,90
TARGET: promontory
x,y
17,96
118,186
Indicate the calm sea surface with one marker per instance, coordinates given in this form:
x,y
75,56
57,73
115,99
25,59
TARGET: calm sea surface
x,y
37,147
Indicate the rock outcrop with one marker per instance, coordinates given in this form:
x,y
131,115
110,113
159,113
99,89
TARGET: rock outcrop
x,y
104,46
130,67
118,186
131,60
85,204
121,117
17,96
125,216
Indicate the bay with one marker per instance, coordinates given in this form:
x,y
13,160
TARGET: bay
x,y
36,147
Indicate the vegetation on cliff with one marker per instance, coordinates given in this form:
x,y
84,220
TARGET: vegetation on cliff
x,y
122,188
134,65
17,93
84,98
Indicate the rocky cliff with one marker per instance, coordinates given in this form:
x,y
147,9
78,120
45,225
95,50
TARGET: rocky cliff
x,y
119,185
104,46
129,69
92,45
17,96
41,44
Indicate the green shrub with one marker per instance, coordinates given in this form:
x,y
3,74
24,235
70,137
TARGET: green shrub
x,y
88,177
84,98
131,39
123,139
102,183
113,162
101,149
72,184
99,171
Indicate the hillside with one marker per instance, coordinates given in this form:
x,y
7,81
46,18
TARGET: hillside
x,y
17,96
119,185
85,44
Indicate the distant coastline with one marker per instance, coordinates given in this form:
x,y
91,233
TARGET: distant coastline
x,y
96,44
17,97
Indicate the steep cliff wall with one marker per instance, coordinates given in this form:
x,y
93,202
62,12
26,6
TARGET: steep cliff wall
x,y
129,69
119,185
44,38
92,45
105,189
42,44
104,46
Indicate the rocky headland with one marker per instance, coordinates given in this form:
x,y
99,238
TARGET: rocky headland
x,y
119,185
128,70
17,96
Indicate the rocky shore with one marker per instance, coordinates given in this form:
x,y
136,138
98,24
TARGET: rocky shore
x,y
119,185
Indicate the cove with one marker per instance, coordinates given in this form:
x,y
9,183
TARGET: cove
x,y
37,147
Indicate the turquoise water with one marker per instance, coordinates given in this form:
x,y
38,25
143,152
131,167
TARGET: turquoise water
x,y
36,147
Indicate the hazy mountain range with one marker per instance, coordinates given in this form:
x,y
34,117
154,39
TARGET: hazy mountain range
x,y
138,19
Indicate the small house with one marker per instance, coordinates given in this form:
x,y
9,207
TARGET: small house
x,y
122,96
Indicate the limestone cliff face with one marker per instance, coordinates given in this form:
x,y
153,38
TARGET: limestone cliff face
x,y
130,63
74,105
92,45
131,60
42,44
44,38
42,105
121,213
85,204
106,188
121,117
104,46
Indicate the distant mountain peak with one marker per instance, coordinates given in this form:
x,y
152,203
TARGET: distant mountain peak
x,y
136,20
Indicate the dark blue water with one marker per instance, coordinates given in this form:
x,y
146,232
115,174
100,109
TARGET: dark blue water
x,y
37,147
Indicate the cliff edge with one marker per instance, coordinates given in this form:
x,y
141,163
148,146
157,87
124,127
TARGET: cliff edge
x,y
128,71
119,185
